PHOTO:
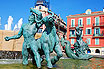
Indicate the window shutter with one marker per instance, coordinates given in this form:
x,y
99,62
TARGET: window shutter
x,y
97,41
90,31
86,31
99,30
94,31
74,23
88,21
97,21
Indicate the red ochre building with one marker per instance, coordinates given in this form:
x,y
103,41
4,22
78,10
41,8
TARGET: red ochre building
x,y
92,25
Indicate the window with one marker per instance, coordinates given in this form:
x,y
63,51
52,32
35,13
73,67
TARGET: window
x,y
80,22
72,41
72,22
96,21
89,41
88,21
72,33
96,41
96,31
40,7
88,31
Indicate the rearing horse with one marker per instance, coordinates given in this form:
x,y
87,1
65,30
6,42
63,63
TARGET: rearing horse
x,y
49,40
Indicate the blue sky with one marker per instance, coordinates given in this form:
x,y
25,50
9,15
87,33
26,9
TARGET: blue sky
x,y
20,8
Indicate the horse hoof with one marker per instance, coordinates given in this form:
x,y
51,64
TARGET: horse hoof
x,y
39,67
50,67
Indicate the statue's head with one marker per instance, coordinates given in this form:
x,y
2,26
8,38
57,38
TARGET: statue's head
x,y
31,19
37,13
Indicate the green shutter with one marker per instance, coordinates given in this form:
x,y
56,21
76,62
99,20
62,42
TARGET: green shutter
x,y
99,30
97,21
88,21
97,41
74,32
70,33
89,41
94,31
74,23
90,31
86,31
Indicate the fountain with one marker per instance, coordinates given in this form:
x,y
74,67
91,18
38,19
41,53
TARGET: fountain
x,y
34,50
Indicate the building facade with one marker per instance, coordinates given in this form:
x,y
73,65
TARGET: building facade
x,y
92,25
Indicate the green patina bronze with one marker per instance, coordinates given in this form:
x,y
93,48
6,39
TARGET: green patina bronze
x,y
43,46
80,47
28,31
49,40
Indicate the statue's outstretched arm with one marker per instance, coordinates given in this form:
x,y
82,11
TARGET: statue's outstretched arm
x,y
15,36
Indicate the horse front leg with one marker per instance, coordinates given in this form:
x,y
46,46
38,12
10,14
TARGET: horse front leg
x,y
58,51
47,55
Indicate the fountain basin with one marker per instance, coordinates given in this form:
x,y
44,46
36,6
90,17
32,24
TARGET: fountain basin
x,y
63,63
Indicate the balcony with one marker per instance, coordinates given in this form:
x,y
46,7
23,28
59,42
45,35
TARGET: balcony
x,y
98,24
98,35
72,36
74,26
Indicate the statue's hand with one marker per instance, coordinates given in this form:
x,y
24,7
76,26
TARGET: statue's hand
x,y
7,38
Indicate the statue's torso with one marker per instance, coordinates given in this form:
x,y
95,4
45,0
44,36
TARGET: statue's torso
x,y
29,31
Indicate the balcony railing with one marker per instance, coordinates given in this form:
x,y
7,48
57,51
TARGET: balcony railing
x,y
98,35
72,35
73,26
98,24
